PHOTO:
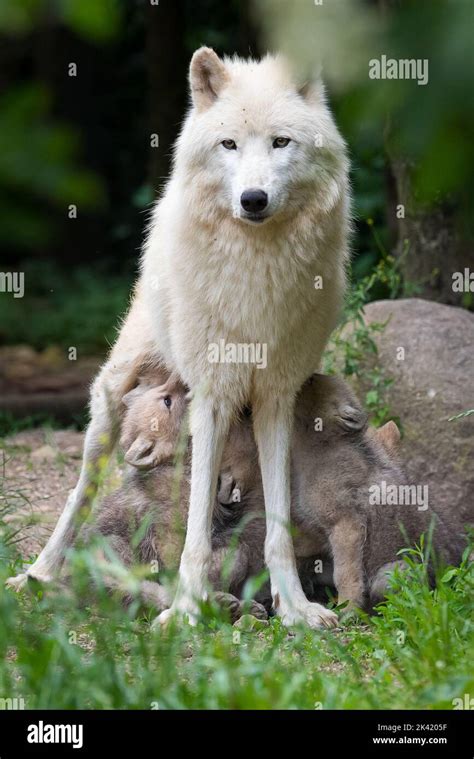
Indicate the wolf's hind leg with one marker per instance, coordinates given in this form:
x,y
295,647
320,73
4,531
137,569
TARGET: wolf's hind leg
x,y
99,442
115,378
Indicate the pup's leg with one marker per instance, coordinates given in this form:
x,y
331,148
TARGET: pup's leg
x,y
116,577
229,568
273,419
209,422
380,583
347,541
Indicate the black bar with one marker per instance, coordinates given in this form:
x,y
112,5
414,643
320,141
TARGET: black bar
x,y
445,733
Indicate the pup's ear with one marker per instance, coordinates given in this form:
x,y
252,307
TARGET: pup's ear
x,y
173,384
389,436
207,76
142,387
129,398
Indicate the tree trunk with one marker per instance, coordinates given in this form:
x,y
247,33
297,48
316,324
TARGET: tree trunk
x,y
431,243
167,63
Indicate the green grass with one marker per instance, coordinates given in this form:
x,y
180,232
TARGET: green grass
x,y
63,649
11,424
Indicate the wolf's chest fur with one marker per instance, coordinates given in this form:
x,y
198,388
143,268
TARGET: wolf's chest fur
x,y
218,284
251,291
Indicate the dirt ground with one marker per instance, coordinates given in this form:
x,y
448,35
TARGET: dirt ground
x,y
38,468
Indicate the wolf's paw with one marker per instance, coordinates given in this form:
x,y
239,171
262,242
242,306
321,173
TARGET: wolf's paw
x,y
311,614
17,583
162,620
186,612
20,582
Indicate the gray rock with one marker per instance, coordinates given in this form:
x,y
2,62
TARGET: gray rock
x,y
432,383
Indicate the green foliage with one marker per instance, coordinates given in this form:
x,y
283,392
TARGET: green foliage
x,y
40,158
95,20
75,646
79,308
432,621
76,649
462,415
429,125
38,162
10,424
353,342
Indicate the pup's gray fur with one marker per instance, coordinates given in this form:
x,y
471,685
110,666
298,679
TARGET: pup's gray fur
x,y
332,471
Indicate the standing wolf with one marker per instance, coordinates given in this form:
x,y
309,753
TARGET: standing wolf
x,y
246,250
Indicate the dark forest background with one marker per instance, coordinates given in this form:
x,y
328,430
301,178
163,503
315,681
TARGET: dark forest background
x,y
85,140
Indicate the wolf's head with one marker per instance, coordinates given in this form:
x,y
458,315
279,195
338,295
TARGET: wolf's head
x,y
257,144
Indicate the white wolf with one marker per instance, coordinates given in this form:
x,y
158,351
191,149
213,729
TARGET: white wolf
x,y
248,245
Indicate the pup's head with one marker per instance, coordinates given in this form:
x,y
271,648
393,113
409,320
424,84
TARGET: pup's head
x,y
152,423
331,400
259,143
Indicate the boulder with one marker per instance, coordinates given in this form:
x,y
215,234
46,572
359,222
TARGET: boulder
x,y
427,349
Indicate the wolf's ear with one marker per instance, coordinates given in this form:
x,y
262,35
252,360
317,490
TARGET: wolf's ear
x,y
207,76
389,436
313,90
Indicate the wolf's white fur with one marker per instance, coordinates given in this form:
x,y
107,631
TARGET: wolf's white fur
x,y
210,273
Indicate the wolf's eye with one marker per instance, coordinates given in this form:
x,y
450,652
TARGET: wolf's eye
x,y
281,142
229,144
167,401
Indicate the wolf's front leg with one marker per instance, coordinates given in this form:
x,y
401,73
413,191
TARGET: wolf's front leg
x,y
273,420
209,427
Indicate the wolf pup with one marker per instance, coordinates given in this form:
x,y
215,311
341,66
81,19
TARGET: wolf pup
x,y
341,539
242,280
152,502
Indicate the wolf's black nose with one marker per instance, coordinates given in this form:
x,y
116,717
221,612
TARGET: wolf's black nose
x,y
254,201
